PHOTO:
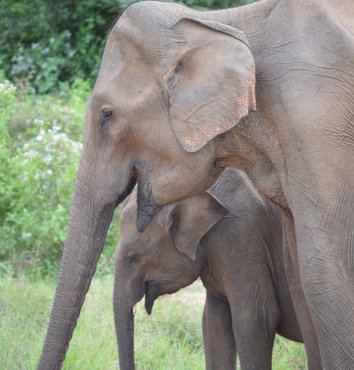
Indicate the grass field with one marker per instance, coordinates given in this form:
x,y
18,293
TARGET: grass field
x,y
170,338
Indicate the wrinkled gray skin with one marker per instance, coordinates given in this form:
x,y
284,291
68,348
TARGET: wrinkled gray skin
x,y
182,94
241,258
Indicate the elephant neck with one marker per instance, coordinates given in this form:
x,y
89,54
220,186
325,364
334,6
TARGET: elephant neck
x,y
253,20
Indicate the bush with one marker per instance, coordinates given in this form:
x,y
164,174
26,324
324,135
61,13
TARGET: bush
x,y
214,4
55,41
38,164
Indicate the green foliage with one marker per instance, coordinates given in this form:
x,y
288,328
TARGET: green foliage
x,y
40,137
214,4
55,41
171,338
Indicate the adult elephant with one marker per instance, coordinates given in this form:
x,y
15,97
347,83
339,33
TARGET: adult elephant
x,y
175,102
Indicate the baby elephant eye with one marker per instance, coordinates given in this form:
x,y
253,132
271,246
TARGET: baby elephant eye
x,y
132,257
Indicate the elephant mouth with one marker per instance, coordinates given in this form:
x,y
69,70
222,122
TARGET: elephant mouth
x,y
147,209
151,294
150,290
133,179
155,289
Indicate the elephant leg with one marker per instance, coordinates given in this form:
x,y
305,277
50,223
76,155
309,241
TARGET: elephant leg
x,y
327,281
319,189
254,334
324,229
304,318
219,341
254,345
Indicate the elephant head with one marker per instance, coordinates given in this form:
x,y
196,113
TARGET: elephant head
x,y
169,83
161,260
160,100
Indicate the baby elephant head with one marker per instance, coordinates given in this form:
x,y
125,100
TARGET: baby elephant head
x,y
161,260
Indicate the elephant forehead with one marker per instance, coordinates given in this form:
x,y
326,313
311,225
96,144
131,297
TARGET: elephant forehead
x,y
144,40
148,27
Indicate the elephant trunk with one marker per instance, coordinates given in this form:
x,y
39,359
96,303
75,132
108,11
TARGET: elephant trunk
x,y
88,225
124,322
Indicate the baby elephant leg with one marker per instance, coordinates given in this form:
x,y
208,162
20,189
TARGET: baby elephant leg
x,y
219,341
254,336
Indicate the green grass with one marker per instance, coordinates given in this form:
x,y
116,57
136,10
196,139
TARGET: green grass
x,y
170,338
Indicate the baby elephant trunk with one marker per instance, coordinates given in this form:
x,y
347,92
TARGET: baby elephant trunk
x,y
124,322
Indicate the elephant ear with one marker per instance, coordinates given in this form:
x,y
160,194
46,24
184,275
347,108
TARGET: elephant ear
x,y
235,191
212,84
190,219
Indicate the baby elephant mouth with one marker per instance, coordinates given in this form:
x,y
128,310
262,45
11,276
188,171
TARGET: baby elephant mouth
x,y
151,293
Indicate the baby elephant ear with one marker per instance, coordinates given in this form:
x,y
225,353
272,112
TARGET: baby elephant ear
x,y
212,84
191,219
235,191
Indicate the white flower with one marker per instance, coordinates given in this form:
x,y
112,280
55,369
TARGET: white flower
x,y
26,235
7,87
48,159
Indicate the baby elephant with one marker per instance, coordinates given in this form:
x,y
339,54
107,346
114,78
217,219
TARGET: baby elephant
x,y
236,249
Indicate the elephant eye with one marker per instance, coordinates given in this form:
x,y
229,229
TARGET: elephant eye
x,y
105,115
132,257
106,112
